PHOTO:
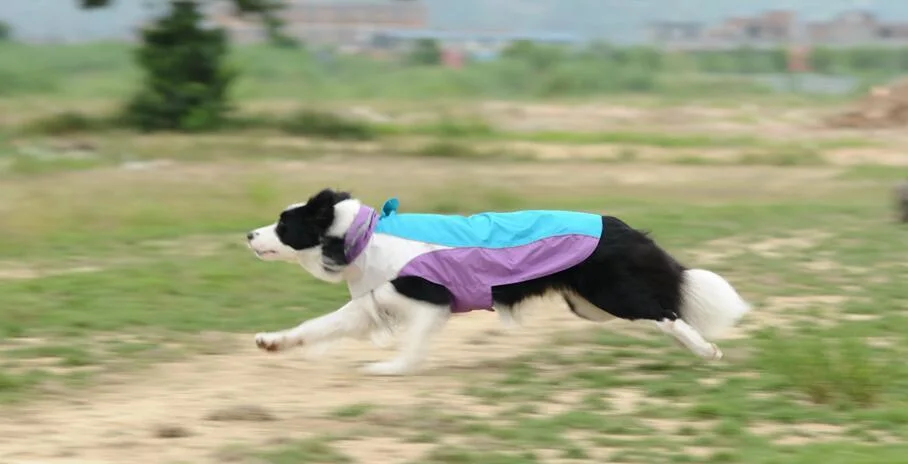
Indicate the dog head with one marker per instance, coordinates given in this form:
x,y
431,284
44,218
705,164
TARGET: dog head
x,y
310,233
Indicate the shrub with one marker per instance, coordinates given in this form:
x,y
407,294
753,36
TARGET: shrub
x,y
447,149
186,79
327,125
6,32
425,52
459,128
68,122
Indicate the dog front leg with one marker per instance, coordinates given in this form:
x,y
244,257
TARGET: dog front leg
x,y
353,320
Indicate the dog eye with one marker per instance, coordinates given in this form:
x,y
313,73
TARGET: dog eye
x,y
279,228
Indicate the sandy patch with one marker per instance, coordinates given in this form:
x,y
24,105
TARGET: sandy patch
x,y
871,155
19,271
123,418
790,303
384,450
196,246
779,247
798,434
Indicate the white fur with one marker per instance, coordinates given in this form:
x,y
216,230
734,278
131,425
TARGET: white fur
x,y
268,247
344,214
313,261
710,305
509,317
378,315
690,338
383,258
587,310
368,316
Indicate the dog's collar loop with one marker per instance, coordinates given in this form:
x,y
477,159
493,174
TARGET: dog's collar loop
x,y
390,207
356,239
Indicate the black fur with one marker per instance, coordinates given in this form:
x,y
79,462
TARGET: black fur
x,y
306,226
627,276
333,251
421,289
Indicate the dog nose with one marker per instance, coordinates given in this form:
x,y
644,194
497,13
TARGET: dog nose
x,y
250,236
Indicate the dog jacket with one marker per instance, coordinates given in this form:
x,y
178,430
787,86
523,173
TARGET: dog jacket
x,y
468,255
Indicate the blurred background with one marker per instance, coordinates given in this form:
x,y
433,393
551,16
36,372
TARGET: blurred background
x,y
140,140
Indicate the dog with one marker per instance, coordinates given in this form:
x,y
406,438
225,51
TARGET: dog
x,y
408,273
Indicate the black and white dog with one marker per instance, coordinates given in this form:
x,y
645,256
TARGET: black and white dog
x,y
409,273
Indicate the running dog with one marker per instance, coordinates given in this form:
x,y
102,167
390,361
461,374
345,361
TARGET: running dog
x,y
408,273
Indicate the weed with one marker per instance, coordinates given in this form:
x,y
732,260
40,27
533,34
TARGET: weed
x,y
353,410
314,450
827,368
69,122
783,156
327,126
447,149
455,128
627,155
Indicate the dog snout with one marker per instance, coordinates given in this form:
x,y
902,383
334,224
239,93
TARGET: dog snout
x,y
250,236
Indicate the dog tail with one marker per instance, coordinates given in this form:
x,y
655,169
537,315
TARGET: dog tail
x,y
709,303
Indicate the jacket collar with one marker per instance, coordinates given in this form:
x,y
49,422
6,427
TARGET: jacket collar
x,y
360,232
357,237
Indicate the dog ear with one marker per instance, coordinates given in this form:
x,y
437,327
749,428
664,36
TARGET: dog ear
x,y
321,199
322,206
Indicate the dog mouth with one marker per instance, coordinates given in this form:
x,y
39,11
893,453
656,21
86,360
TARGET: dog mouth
x,y
264,253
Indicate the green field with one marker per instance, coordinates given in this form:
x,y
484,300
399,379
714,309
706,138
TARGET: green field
x,y
129,299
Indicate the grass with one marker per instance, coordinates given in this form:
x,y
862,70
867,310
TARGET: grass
x,y
320,451
26,155
125,263
319,124
875,173
69,122
353,410
784,156
326,125
108,70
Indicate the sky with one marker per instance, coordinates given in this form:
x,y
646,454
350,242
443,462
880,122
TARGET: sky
x,y
615,20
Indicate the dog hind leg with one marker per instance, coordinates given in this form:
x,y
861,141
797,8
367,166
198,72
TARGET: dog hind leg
x,y
690,338
509,316
586,310
421,320
630,299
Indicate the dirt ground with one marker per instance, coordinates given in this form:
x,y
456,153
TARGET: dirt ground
x,y
128,417
122,418
125,416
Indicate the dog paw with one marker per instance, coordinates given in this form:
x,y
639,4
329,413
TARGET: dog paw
x,y
272,341
716,354
388,368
